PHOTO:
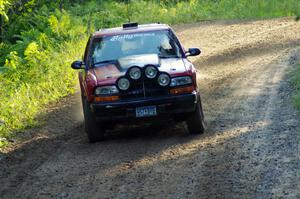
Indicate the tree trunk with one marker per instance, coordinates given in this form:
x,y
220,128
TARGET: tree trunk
x,y
128,11
89,28
1,28
60,5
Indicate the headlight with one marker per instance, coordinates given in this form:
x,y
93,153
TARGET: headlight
x,y
163,79
179,81
123,83
106,90
151,72
135,73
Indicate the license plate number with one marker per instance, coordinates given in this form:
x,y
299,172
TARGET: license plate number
x,y
145,111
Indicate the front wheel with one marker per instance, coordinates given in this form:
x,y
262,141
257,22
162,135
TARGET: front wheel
x,y
94,130
195,121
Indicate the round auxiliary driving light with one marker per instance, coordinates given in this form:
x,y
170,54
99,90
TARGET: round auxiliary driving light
x,y
164,79
123,84
151,72
135,73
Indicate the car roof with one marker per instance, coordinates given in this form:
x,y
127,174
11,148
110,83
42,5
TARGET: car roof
x,y
137,29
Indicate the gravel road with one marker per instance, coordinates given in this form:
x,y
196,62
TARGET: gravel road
x,y
251,148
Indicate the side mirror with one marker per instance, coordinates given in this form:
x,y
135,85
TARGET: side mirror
x,y
77,65
193,52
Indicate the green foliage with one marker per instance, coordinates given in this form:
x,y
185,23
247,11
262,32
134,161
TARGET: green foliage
x,y
4,5
39,40
33,72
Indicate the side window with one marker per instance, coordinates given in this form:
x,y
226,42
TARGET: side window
x,y
96,52
176,44
166,43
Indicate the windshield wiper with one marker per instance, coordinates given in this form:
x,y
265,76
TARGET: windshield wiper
x,y
168,56
104,62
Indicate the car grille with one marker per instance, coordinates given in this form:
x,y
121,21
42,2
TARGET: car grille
x,y
144,89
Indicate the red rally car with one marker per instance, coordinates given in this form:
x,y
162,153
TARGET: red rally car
x,y
136,73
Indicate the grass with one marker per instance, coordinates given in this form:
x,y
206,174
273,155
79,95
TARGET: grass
x,y
41,43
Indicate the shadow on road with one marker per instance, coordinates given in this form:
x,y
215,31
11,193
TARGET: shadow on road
x,y
234,53
162,160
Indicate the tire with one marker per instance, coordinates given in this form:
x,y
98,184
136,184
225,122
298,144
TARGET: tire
x,y
94,130
195,121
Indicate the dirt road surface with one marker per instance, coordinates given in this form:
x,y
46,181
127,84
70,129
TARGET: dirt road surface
x,y
251,148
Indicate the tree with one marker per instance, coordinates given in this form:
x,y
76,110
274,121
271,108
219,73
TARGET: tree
x,y
4,5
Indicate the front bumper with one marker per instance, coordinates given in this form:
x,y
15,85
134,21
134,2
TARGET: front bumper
x,y
165,106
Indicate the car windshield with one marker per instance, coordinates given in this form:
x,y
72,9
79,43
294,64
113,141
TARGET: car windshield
x,y
112,48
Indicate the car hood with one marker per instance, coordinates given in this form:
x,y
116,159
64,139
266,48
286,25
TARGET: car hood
x,y
113,71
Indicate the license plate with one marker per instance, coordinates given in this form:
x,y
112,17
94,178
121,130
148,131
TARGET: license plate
x,y
145,111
